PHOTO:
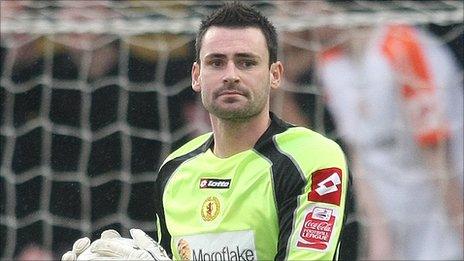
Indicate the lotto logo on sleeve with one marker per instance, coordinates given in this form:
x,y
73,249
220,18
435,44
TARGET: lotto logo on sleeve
x,y
326,186
316,231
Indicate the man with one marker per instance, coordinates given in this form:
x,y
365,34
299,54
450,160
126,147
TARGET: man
x,y
396,94
256,187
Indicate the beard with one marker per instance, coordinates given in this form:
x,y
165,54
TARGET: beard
x,y
234,109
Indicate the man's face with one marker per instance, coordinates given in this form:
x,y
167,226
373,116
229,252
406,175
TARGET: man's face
x,y
233,75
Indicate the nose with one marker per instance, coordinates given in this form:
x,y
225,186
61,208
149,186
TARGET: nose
x,y
230,74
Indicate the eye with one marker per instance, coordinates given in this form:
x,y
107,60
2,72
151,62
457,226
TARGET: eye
x,y
216,62
246,64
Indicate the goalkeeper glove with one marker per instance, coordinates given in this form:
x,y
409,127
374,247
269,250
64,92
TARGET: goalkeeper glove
x,y
111,246
140,247
81,248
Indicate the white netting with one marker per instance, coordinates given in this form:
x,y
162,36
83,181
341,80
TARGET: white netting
x,y
95,94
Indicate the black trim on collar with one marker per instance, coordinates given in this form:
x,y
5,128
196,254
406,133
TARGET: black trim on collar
x,y
277,126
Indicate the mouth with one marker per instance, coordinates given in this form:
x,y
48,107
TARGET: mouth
x,y
230,92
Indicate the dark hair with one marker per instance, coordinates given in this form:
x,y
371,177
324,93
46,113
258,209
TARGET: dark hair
x,y
237,15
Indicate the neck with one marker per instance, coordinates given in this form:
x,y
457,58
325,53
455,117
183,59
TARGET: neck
x,y
232,137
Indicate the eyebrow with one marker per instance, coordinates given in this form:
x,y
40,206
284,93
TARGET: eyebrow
x,y
247,55
239,55
215,55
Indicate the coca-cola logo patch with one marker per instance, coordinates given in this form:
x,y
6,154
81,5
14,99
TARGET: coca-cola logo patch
x,y
317,228
326,186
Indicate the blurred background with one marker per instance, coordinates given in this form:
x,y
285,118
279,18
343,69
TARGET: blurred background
x,y
95,94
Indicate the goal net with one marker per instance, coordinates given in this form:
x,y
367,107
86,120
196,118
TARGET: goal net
x,y
95,94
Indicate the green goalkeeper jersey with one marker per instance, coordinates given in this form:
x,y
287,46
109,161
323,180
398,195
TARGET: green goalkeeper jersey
x,y
282,199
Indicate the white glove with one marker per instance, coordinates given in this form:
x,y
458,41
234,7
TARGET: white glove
x,y
140,247
81,248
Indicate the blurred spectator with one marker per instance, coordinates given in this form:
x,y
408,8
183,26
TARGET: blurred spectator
x,y
396,95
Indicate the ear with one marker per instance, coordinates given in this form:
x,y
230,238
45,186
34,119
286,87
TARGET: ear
x,y
196,77
276,74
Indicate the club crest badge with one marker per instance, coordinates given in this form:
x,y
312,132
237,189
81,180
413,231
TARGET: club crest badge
x,y
210,208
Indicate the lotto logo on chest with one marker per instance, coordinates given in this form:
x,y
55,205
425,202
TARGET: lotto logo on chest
x,y
209,183
317,228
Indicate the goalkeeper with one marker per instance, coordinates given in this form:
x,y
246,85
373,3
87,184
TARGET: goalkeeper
x,y
256,188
